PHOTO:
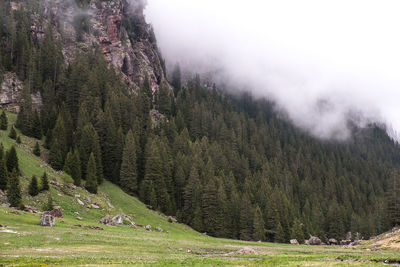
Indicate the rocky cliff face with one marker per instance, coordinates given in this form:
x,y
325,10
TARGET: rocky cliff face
x,y
115,27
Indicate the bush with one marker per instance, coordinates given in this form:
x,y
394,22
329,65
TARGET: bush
x,y
13,133
36,150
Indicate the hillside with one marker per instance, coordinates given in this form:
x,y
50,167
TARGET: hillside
x,y
74,241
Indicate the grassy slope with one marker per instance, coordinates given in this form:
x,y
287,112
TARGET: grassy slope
x,y
69,244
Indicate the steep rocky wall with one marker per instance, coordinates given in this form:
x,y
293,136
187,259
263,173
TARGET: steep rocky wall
x,y
135,54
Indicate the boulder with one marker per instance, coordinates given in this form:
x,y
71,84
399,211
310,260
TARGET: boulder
x,y
294,242
47,220
348,236
332,241
79,218
172,219
118,219
95,206
314,241
80,202
107,220
159,229
345,242
56,212
30,209
147,227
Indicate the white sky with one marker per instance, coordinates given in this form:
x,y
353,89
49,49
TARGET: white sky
x,y
346,52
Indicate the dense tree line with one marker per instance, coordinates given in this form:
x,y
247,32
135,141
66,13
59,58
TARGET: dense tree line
x,y
225,165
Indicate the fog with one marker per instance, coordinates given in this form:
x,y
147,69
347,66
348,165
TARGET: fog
x,y
323,62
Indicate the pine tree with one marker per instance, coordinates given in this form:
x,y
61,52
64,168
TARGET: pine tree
x,y
36,126
128,175
393,199
33,187
297,231
45,182
3,174
258,225
12,159
246,219
210,206
14,194
36,150
13,133
3,121
73,166
91,179
49,204
18,140
176,79
279,234
58,149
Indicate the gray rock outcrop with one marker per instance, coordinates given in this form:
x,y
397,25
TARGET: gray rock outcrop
x,y
47,220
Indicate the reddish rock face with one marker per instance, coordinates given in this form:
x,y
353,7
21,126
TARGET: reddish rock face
x,y
113,23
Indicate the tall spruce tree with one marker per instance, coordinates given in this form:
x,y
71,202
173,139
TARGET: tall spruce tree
x,y
58,148
393,199
258,225
13,133
14,194
3,121
128,175
33,187
3,174
91,179
12,160
73,166
45,182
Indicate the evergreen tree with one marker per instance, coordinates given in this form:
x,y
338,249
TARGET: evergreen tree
x,y
58,149
33,187
128,175
36,126
176,79
3,174
36,149
393,199
14,194
279,234
91,179
13,133
12,159
246,219
49,204
73,166
297,231
45,182
258,225
3,121
18,140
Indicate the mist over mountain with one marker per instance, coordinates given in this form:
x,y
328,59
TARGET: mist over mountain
x,y
324,63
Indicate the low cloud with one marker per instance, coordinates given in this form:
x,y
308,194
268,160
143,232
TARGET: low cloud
x,y
322,62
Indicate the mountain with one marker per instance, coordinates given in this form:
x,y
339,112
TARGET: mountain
x,y
87,78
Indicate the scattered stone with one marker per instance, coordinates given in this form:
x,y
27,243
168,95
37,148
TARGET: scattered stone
x,y
147,227
247,251
88,199
95,206
294,242
75,212
8,231
77,196
47,220
314,241
110,205
118,219
59,194
80,202
94,227
56,212
348,236
172,219
15,212
30,209
349,246
332,241
79,218
345,242
78,225
159,229
6,205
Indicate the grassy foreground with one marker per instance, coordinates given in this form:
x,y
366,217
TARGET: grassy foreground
x,y
72,241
